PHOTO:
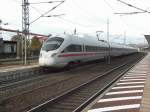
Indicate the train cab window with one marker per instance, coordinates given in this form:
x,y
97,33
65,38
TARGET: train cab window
x,y
73,48
52,43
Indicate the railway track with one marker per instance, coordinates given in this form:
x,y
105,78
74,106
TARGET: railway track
x,y
39,89
79,97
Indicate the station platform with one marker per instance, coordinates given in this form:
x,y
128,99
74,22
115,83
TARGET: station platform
x,y
130,94
17,67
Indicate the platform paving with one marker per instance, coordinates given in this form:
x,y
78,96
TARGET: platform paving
x,y
130,94
145,103
17,67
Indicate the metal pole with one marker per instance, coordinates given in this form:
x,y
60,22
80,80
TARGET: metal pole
x,y
0,27
18,46
25,26
108,41
22,32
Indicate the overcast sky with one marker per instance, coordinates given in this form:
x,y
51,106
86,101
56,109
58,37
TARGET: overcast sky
x,y
87,16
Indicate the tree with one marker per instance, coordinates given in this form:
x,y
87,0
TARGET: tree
x,y
35,45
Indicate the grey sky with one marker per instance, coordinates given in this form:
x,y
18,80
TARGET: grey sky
x,y
87,16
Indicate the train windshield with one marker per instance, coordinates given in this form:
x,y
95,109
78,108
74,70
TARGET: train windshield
x,y
52,44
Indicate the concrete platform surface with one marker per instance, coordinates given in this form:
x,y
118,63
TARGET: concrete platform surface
x,y
17,67
130,94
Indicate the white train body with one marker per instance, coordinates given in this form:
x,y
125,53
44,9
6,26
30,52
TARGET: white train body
x,y
61,50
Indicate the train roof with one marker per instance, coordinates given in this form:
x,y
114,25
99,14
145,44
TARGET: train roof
x,y
90,40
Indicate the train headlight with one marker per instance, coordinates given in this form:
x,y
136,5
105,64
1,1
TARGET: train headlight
x,y
54,54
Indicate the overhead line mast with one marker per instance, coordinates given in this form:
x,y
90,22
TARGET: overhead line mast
x,y
25,27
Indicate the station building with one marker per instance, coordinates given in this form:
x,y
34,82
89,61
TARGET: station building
x,y
7,48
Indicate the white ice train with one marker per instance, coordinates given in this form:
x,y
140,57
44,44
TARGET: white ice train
x,y
62,50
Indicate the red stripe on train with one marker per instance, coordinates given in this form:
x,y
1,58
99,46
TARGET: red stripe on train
x,y
81,54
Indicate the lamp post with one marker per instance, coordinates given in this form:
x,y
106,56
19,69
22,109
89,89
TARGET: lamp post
x,y
108,41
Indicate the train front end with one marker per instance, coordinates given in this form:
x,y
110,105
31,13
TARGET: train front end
x,y
49,52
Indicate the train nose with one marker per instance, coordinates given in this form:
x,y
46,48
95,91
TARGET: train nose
x,y
46,61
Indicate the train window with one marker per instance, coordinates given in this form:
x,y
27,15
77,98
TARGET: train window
x,y
73,48
52,44
91,48
95,48
102,48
